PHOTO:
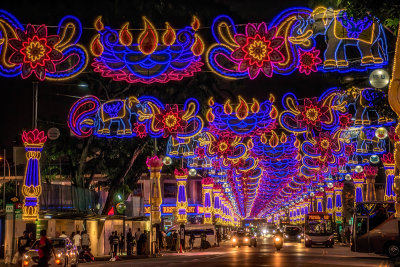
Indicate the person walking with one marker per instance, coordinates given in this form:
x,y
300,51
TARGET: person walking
x,y
191,241
63,235
77,240
164,240
129,242
45,249
218,238
71,237
138,243
115,242
110,241
85,240
121,243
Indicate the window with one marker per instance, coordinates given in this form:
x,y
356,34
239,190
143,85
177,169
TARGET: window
x,y
361,226
170,190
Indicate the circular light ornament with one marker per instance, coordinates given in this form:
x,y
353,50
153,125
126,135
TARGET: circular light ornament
x,y
167,160
381,133
379,78
330,185
358,168
121,207
192,172
321,189
347,177
374,159
301,199
312,194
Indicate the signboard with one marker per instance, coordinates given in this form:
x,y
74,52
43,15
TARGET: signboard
x,y
170,209
319,217
9,208
53,133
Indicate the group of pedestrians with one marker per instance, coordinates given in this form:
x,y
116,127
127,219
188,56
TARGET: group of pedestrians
x,y
117,242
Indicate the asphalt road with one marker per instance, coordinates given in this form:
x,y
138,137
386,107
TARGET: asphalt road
x,y
264,254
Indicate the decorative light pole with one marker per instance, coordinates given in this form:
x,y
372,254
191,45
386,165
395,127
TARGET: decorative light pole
x,y
217,192
320,198
338,187
329,200
32,189
388,163
181,199
155,164
207,186
358,179
370,174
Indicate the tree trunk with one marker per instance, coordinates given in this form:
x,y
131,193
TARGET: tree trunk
x,y
80,178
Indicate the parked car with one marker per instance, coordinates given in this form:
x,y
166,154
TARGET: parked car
x,y
65,252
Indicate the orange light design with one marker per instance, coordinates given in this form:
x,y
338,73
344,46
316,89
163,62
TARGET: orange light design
x,y
98,24
96,47
227,107
273,113
211,101
242,111
263,139
125,37
255,107
148,38
210,116
274,140
283,138
198,46
169,35
195,23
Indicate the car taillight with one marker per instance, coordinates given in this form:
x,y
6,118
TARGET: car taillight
x,y
26,263
58,261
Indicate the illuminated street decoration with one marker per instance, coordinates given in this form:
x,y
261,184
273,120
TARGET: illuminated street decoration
x,y
31,50
388,164
207,187
338,188
329,200
32,188
181,199
320,198
370,174
154,164
217,193
152,59
130,117
358,179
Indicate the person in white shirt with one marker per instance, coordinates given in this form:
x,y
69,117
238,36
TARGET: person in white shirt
x,y
63,235
77,240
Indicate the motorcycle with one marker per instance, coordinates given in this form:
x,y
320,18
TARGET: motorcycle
x,y
278,242
86,255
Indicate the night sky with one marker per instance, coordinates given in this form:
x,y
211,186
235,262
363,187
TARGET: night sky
x,y
16,94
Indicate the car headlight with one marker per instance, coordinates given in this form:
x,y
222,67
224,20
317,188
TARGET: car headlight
x,y
58,261
26,257
246,240
234,240
277,239
331,237
59,255
307,238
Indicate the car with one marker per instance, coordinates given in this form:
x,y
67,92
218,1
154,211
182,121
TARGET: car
x,y
66,254
293,234
243,239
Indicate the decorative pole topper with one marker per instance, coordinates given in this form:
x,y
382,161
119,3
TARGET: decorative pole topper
x,y
32,189
207,186
154,165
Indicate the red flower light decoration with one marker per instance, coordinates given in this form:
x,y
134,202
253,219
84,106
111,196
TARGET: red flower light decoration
x,y
34,137
324,143
258,50
170,120
387,159
181,172
345,121
154,162
370,171
222,147
392,134
312,113
208,181
35,51
349,150
200,152
140,130
308,61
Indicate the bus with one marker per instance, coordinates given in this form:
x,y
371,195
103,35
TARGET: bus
x,y
375,229
318,229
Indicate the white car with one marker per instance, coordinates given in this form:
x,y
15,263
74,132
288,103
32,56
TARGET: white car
x,y
65,252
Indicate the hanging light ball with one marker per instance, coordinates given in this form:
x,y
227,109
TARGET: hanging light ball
x,y
330,185
381,133
121,207
192,172
358,168
321,189
374,159
312,194
301,199
347,177
167,160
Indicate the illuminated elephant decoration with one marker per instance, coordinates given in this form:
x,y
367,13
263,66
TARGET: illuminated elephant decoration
x,y
368,142
117,111
340,31
362,103
89,116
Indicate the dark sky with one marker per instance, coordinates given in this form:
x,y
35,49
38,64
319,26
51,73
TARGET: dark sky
x,y
16,94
